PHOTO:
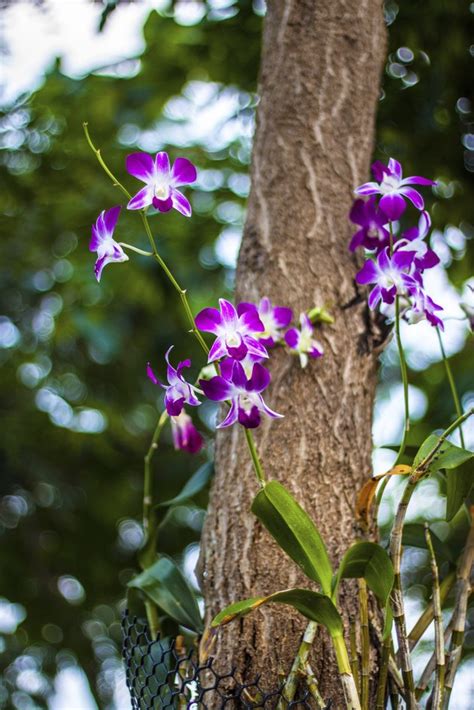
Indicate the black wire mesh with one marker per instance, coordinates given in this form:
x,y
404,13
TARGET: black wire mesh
x,y
160,675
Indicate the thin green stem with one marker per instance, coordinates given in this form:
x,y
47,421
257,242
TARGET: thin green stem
x,y
452,383
438,624
406,404
149,523
383,674
147,557
365,645
142,252
103,164
463,588
427,617
313,686
298,665
181,291
345,673
354,657
404,373
396,598
255,458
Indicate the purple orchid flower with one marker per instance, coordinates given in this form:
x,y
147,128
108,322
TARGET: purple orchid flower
x,y
178,392
103,242
394,188
301,340
274,318
185,435
390,276
235,331
244,393
372,221
413,240
161,182
422,306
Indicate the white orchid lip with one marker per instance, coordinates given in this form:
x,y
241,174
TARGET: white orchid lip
x,y
162,191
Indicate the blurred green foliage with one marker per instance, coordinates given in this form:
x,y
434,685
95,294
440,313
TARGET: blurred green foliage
x,y
77,410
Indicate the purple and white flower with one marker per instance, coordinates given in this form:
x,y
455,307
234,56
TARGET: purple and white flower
x,y
161,182
185,435
371,220
274,318
394,188
103,242
413,240
244,393
390,275
423,307
178,392
235,332
302,341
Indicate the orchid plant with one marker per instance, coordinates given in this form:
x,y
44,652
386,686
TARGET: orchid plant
x,y
235,372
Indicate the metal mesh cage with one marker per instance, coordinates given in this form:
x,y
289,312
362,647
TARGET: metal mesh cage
x,y
160,675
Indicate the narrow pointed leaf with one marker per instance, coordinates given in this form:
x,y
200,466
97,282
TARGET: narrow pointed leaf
x,y
448,455
294,531
459,482
313,605
196,483
369,561
165,584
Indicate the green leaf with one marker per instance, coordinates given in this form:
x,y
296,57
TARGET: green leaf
x,y
369,561
414,536
448,455
194,485
294,531
165,584
459,483
313,605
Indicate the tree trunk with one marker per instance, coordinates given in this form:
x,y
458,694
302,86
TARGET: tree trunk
x,y
319,88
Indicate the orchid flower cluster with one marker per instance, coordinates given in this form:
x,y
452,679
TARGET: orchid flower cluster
x,y
397,261
243,335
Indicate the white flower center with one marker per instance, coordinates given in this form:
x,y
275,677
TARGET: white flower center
x,y
246,402
374,231
390,278
271,328
389,184
162,191
232,339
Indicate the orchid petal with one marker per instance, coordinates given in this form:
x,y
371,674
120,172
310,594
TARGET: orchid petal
x,y
142,199
141,166
209,320
368,274
218,350
259,380
414,197
183,172
162,165
217,388
368,188
393,205
231,417
180,202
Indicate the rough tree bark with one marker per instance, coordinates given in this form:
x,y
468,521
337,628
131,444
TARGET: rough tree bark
x,y
319,89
